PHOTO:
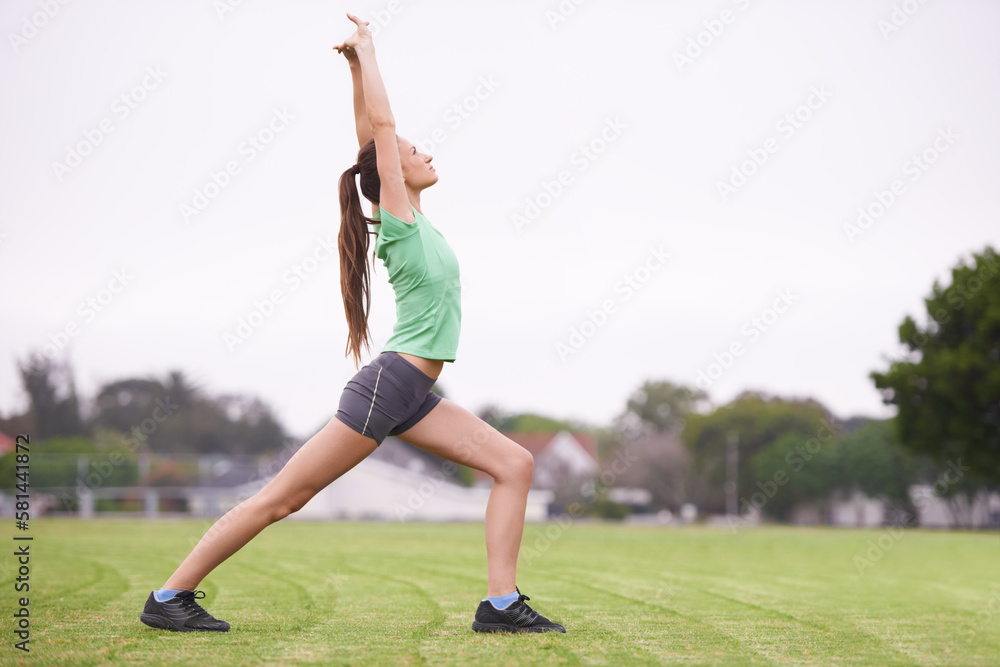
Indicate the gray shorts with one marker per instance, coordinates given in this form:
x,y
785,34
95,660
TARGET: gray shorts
x,y
386,397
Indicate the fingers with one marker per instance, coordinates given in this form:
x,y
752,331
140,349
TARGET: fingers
x,y
347,52
362,25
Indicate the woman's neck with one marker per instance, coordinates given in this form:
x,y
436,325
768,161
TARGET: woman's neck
x,y
414,197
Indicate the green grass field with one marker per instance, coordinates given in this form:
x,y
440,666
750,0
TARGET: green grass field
x,y
401,594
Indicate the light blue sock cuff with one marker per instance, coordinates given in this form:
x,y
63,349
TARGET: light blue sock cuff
x,y
164,594
503,601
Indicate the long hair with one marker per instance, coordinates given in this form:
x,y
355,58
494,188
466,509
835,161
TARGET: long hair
x,y
353,245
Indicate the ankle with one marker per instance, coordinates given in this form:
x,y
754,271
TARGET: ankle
x,y
175,587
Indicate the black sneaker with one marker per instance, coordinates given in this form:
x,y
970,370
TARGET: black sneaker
x,y
518,617
181,613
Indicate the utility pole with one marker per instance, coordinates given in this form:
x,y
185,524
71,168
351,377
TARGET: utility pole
x,y
732,472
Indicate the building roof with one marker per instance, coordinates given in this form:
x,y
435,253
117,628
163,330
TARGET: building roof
x,y
536,442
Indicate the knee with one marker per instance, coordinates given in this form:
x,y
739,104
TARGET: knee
x,y
276,509
279,512
521,466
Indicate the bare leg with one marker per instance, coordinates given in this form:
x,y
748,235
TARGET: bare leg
x,y
456,434
326,456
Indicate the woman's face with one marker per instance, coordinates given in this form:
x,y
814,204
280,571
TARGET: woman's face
x,y
416,166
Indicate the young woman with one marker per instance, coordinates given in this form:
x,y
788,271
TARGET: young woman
x,y
392,394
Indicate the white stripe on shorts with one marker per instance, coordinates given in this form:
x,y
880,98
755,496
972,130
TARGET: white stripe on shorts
x,y
374,392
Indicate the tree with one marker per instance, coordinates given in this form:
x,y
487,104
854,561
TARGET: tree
x,y
947,384
251,426
660,407
124,404
788,474
756,420
873,461
182,391
54,406
791,472
175,416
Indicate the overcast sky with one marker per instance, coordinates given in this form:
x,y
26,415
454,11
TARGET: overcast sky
x,y
627,186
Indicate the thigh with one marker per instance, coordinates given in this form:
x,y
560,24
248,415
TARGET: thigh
x,y
454,433
323,458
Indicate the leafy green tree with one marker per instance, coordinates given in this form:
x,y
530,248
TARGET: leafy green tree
x,y
660,407
788,473
869,459
873,461
755,420
947,384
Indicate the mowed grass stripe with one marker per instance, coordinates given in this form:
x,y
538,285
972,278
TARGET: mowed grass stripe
x,y
635,631
645,551
801,623
692,623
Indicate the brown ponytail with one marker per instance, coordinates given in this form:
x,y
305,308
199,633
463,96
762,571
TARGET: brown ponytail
x,y
353,245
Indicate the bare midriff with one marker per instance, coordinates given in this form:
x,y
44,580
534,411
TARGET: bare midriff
x,y
430,367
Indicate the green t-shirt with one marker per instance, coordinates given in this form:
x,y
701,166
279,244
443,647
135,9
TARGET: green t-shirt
x,y
423,272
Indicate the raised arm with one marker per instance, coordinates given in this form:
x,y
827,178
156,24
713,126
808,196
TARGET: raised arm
x,y
364,130
392,196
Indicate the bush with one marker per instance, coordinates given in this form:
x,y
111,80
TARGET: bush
x,y
608,509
